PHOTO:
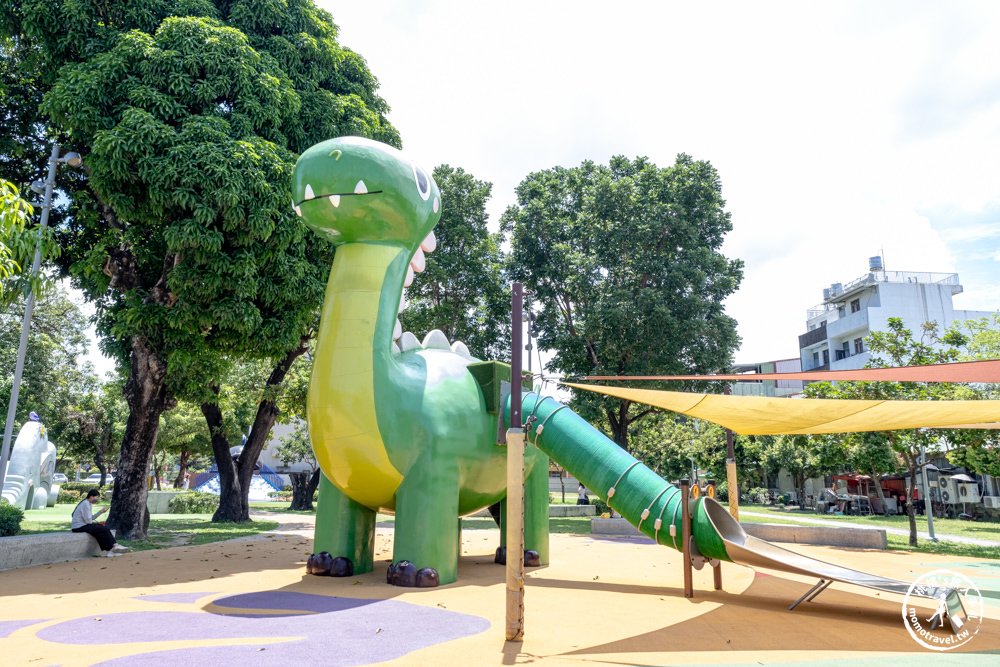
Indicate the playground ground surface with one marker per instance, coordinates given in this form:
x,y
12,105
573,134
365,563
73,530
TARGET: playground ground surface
x,y
602,601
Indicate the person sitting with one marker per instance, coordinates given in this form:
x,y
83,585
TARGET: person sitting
x,y
83,522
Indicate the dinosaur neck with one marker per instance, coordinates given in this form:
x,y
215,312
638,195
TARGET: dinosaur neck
x,y
353,347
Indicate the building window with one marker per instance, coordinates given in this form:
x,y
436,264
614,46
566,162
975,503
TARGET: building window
x,y
859,345
855,305
816,358
826,357
841,312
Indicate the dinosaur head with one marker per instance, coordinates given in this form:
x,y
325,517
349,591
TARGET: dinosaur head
x,y
355,190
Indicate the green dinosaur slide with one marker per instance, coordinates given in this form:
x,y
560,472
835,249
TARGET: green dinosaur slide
x,y
411,427
654,506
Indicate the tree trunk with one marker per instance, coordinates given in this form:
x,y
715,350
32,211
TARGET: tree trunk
x,y
230,510
235,477
618,421
182,473
146,395
878,491
303,487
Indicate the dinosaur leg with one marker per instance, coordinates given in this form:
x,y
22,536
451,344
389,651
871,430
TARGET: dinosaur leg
x,y
345,535
425,552
536,515
536,510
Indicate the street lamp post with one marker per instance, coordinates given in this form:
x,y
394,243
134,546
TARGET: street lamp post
x,y
74,160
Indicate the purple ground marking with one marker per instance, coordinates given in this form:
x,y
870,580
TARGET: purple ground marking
x,y
347,631
182,598
7,627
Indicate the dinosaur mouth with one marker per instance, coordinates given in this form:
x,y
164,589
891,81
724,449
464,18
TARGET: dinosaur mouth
x,y
360,190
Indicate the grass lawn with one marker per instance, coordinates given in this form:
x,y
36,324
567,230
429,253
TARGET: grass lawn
x,y
955,527
165,530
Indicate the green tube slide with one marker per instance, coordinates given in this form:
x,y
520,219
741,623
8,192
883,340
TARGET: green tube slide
x,y
654,505
639,494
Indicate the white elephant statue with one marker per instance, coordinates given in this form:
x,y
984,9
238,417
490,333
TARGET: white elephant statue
x,y
29,484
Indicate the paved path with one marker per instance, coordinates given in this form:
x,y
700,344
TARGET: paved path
x,y
892,531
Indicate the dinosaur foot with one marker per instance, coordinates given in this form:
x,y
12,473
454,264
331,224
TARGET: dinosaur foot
x,y
404,573
325,565
531,557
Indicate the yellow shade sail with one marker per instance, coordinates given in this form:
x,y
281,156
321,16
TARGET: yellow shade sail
x,y
771,416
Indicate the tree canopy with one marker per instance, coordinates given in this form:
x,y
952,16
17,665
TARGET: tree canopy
x,y
189,116
624,263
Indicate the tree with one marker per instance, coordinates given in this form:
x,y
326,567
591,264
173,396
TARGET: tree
x,y
190,116
870,453
295,448
183,434
95,425
55,375
248,398
462,291
978,450
625,266
902,349
667,444
14,214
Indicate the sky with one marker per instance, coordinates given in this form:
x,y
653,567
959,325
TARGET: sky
x,y
840,130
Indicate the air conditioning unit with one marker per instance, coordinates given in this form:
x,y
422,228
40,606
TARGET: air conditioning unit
x,y
993,502
949,490
968,493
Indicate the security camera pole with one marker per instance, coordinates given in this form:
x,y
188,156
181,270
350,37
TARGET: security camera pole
x,y
74,160
515,480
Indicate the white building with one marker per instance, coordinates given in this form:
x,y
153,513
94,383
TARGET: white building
x,y
837,327
767,388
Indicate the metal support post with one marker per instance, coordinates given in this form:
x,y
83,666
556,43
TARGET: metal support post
x,y
515,481
686,537
927,496
731,482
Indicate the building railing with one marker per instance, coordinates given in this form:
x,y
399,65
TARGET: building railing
x,y
925,277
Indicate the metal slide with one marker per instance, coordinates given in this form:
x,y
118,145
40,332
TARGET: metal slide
x,y
654,506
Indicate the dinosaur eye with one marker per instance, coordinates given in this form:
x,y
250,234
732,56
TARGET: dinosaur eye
x,y
423,183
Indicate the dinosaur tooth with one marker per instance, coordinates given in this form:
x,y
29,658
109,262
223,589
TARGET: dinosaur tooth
x,y
397,330
430,243
403,303
419,262
395,351
298,211
409,277
461,349
335,200
309,192
436,340
408,342
360,188
437,205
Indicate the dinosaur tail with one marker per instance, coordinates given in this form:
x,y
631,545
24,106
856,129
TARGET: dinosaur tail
x,y
654,506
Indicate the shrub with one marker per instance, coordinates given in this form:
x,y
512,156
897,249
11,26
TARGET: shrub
x,y
194,502
69,496
722,492
10,519
758,496
83,487
601,506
